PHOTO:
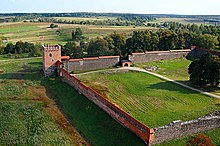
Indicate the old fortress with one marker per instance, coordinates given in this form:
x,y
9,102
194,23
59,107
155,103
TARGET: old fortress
x,y
64,65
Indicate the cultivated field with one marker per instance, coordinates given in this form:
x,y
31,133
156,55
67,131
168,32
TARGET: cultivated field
x,y
150,100
85,18
182,20
40,32
28,116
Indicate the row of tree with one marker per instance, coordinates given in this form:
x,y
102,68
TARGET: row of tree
x,y
139,41
22,47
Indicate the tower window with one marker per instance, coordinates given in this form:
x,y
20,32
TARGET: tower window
x,y
50,55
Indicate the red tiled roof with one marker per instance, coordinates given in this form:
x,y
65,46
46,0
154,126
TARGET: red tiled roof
x,y
91,58
74,60
109,56
65,57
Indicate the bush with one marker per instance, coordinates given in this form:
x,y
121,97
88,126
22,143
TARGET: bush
x,y
200,140
53,25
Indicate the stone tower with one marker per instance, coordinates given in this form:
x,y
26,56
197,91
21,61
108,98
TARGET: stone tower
x,y
51,54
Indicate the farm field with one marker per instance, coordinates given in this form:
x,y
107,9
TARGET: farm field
x,y
27,103
40,32
85,18
150,100
177,70
182,20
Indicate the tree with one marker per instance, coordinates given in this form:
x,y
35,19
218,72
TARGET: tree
x,y
98,47
167,40
34,50
200,140
70,49
208,41
19,47
10,48
77,34
205,70
2,48
53,25
119,41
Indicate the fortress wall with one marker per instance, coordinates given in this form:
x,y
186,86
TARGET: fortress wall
x,y
145,133
178,129
93,63
158,55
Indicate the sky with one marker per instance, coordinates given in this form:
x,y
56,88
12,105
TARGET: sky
x,y
186,7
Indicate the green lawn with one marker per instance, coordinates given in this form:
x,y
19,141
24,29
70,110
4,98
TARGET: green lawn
x,y
175,69
150,100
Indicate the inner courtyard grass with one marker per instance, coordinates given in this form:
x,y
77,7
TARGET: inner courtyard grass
x,y
150,100
175,69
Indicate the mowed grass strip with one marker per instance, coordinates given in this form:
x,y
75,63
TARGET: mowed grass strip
x,y
150,100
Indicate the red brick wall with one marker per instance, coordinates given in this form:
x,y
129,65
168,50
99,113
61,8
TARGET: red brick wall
x,y
142,131
51,54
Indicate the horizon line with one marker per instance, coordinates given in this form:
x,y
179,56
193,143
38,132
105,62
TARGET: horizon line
x,y
111,13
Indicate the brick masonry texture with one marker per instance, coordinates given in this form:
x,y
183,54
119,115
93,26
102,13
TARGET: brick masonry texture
x,y
86,64
158,55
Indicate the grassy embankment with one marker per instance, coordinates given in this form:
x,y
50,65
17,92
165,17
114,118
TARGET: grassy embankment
x,y
26,112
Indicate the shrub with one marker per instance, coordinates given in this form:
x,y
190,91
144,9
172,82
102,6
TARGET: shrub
x,y
200,140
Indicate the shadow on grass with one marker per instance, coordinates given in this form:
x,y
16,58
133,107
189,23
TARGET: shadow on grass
x,y
30,71
170,86
91,121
